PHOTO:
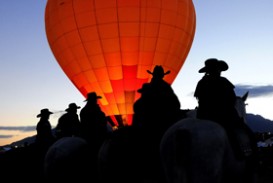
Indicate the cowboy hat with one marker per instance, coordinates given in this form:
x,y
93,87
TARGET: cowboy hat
x,y
158,71
72,106
214,64
92,96
44,112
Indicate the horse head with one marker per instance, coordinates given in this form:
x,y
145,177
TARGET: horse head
x,y
240,106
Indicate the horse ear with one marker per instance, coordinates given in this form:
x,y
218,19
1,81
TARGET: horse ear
x,y
244,97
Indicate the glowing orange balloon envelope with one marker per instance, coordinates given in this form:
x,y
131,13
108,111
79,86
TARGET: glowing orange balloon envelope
x,y
106,46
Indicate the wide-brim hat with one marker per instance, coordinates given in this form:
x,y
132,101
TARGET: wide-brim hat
x,y
158,71
44,112
214,64
92,96
72,106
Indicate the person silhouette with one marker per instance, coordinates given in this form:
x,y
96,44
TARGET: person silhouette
x,y
44,135
69,123
93,121
216,101
44,139
154,112
158,105
215,94
94,128
164,94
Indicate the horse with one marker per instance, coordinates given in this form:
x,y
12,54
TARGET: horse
x,y
199,151
69,159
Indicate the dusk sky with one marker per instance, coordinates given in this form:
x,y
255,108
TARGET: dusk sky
x,y
238,32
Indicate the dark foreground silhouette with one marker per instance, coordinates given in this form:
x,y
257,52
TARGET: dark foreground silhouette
x,y
129,154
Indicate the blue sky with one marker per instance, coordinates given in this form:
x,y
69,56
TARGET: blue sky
x,y
239,32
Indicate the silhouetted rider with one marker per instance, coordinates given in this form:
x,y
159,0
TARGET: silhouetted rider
x,y
69,123
154,112
158,107
44,135
216,101
93,121
215,94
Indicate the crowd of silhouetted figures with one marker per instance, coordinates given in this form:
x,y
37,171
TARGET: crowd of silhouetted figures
x,y
29,163
76,150
92,126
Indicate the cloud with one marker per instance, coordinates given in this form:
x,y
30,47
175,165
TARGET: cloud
x,y
5,136
18,128
254,90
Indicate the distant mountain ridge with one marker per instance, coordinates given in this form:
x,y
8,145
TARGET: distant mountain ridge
x,y
259,124
256,122
28,140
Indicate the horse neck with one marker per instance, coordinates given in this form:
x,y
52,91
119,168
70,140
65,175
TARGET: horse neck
x,y
191,113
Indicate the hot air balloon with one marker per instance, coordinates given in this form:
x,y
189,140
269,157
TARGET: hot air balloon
x,y
107,46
